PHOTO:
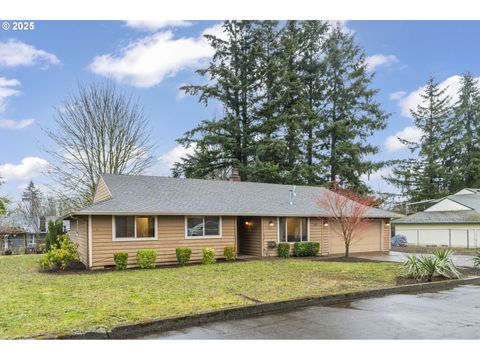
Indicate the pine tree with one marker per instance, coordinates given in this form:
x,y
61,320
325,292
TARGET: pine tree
x,y
234,82
351,114
31,205
463,156
426,177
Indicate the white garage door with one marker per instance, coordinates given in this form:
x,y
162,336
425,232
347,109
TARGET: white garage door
x,y
439,237
368,240
459,238
411,235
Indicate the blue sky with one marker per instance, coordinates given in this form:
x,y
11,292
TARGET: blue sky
x,y
39,68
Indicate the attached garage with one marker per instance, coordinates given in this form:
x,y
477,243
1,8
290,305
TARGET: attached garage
x,y
369,240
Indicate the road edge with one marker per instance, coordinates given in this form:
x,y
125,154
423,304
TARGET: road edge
x,y
135,330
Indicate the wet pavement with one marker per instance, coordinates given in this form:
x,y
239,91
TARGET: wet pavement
x,y
395,256
448,314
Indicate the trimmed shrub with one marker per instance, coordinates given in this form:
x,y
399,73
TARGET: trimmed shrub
x,y
183,255
284,250
146,258
61,254
208,256
306,248
121,260
229,253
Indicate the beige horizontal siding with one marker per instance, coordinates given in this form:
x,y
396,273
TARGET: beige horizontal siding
x,y
101,193
171,235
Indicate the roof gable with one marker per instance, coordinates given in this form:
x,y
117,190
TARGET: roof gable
x,y
448,205
102,192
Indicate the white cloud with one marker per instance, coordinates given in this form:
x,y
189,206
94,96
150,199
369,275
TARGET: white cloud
x,y
155,25
28,168
16,124
377,60
377,175
167,160
147,61
397,95
413,99
16,53
6,90
410,133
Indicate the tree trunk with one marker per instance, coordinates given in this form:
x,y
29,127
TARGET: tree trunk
x,y
347,249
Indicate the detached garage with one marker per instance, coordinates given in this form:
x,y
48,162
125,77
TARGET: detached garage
x,y
453,222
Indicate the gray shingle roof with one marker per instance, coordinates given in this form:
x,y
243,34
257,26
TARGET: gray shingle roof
x,y
472,201
441,217
176,196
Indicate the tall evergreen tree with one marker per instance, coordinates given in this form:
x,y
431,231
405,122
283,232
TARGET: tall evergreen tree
x,y
298,106
463,156
31,205
425,177
350,115
234,82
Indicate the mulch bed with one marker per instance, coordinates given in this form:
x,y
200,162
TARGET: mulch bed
x,y
465,271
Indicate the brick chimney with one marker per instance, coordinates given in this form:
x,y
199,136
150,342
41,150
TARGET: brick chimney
x,y
235,175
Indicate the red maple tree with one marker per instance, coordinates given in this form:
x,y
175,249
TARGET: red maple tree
x,y
348,210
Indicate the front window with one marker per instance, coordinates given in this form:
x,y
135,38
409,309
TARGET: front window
x,y
134,227
293,229
202,226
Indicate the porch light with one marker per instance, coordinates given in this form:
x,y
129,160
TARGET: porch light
x,y
248,224
387,224
325,224
271,223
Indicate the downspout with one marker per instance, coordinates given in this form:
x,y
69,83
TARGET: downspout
x,y
89,239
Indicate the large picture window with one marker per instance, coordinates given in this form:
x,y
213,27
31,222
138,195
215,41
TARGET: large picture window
x,y
202,226
293,229
134,227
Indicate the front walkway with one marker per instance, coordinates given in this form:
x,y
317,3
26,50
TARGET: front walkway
x,y
394,256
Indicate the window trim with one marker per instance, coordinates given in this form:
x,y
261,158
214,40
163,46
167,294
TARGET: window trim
x,y
204,236
292,242
114,235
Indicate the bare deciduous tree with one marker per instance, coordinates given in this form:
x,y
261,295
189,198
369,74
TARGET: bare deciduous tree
x,y
99,130
349,212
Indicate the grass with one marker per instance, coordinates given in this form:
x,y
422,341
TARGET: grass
x,y
34,303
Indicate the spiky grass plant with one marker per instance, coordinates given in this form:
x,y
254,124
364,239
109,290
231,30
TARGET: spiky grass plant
x,y
445,265
476,259
412,267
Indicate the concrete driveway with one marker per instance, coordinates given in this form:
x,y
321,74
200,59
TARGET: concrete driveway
x,y
459,260
449,314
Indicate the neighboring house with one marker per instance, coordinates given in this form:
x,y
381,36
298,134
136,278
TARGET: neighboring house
x,y
17,233
452,221
148,212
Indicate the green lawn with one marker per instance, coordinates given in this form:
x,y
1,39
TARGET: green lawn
x,y
33,303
